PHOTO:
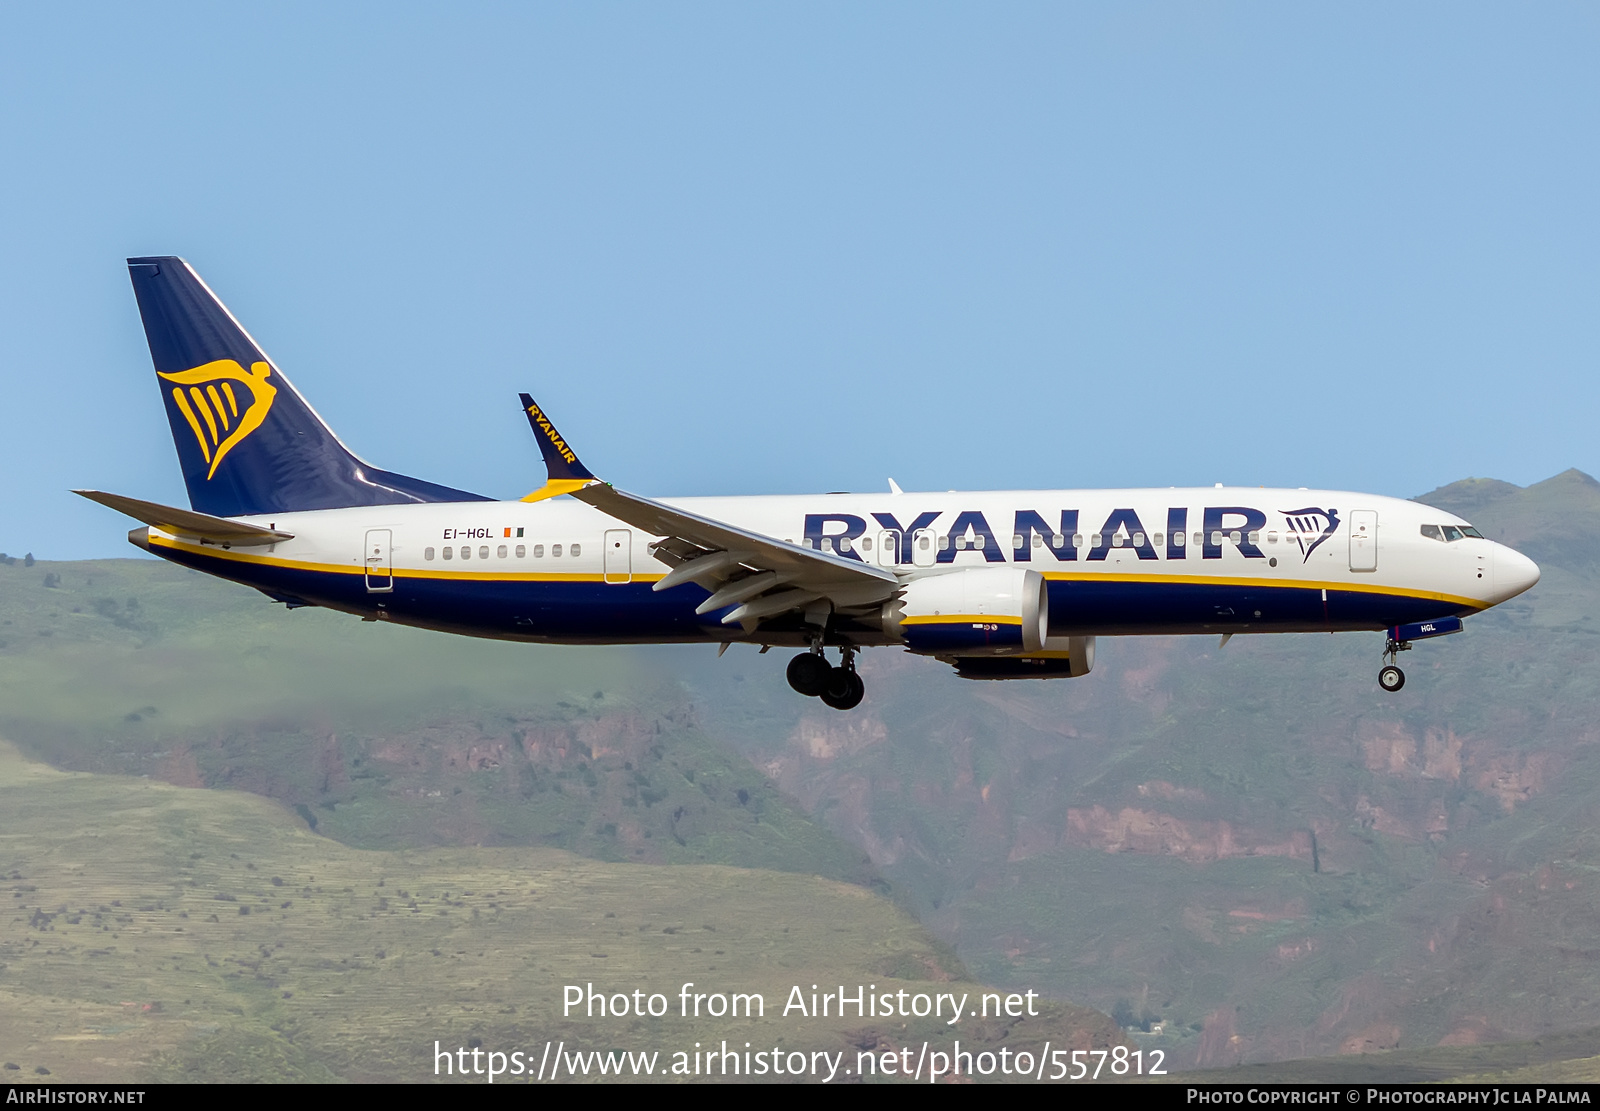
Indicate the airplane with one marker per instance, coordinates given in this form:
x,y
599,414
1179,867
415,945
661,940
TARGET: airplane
x,y
1000,585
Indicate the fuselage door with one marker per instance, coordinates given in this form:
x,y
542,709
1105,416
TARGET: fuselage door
x,y
888,548
1363,540
619,555
379,569
924,547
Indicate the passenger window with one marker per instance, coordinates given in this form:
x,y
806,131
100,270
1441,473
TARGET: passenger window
x,y
1057,540
866,543
922,542
427,553
555,551
1038,541
575,550
1255,537
1094,540
961,542
1177,539
1017,542
827,543
977,542
466,551
501,551
844,543
538,551
944,543
447,553
522,551
1116,541
1138,540
1433,532
483,552
1156,540
1077,540
1272,538
1200,538
1216,539
1234,536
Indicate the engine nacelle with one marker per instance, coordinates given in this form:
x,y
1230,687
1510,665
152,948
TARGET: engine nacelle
x,y
984,611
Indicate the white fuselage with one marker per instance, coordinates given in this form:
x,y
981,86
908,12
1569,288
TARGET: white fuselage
x,y
1116,561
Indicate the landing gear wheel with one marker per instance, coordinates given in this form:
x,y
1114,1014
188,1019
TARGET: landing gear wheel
x,y
845,689
1391,678
809,674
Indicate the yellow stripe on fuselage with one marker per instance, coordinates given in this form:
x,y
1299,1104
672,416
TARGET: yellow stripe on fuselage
x,y
213,551
961,619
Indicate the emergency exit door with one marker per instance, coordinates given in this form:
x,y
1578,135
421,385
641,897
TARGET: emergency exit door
x,y
888,548
619,555
379,569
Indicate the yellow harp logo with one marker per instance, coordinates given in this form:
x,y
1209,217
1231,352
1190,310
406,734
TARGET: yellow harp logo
x,y
219,416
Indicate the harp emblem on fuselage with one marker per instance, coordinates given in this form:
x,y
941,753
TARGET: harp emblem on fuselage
x,y
1309,527
223,404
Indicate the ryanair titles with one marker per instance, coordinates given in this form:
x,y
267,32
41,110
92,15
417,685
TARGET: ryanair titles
x,y
923,540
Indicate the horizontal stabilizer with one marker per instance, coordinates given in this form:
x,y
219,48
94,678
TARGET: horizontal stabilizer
x,y
187,522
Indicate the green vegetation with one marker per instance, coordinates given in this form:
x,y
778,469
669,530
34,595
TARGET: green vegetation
x,y
381,736
162,933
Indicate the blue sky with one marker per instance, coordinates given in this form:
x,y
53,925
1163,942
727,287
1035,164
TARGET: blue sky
x,y
779,248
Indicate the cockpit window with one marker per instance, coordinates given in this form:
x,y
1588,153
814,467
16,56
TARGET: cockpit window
x,y
1448,533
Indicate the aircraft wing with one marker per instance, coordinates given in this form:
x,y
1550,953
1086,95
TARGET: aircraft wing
x,y
761,576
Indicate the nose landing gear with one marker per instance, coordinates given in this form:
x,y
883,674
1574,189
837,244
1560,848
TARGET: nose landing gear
x,y
1391,678
839,687
1399,639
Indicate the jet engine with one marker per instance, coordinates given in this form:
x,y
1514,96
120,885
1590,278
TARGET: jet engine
x,y
984,611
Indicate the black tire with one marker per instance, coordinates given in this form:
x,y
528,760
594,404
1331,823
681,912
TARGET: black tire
x,y
1391,678
809,674
845,690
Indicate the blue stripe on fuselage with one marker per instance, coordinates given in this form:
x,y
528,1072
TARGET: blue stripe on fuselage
x,y
1082,605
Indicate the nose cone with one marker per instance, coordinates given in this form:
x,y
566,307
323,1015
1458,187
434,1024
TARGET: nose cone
x,y
1513,573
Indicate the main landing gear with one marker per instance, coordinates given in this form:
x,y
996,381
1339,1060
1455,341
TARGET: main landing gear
x,y
839,687
1391,678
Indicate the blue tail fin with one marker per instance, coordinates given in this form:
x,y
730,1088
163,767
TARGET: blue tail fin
x,y
247,441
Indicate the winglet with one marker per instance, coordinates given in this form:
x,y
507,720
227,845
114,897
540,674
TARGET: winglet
x,y
565,472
